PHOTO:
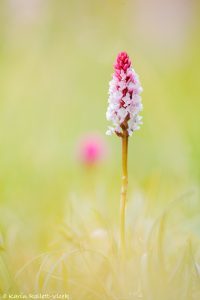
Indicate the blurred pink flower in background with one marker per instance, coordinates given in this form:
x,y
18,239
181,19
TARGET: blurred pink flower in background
x,y
92,149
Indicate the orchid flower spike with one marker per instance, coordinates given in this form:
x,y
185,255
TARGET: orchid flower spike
x,y
124,103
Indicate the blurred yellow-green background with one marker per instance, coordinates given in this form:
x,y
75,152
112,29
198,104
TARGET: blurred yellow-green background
x,y
56,59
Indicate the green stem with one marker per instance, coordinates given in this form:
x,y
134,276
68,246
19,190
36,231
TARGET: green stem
x,y
123,193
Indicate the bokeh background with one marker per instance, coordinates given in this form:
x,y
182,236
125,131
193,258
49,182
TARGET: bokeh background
x,y
56,59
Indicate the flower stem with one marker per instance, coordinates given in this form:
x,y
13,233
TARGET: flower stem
x,y
123,192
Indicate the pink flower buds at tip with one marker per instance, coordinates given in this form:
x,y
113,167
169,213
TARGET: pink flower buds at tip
x,y
124,103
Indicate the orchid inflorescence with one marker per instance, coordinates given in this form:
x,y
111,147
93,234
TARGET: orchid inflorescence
x,y
124,98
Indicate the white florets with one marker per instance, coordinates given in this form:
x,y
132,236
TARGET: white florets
x,y
124,102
